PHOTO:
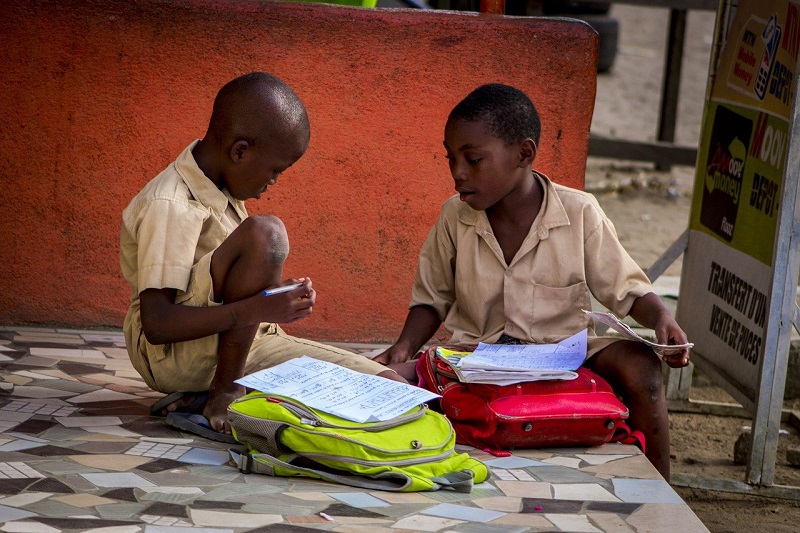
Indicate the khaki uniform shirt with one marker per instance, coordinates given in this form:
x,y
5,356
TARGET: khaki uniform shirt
x,y
177,218
571,251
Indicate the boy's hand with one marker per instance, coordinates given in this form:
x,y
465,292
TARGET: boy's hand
x,y
394,355
669,332
286,307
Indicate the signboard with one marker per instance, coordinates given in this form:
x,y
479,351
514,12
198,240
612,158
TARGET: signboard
x,y
728,270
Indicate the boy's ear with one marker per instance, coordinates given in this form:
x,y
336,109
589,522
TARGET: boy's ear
x,y
238,150
527,152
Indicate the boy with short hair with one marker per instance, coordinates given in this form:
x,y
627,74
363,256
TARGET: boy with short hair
x,y
514,258
197,264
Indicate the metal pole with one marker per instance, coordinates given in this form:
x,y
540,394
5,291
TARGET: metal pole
x,y
672,78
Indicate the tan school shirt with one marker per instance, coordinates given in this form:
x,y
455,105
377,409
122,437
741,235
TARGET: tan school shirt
x,y
176,219
571,250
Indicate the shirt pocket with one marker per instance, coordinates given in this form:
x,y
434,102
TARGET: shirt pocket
x,y
557,311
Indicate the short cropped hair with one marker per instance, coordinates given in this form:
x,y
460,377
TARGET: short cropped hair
x,y
509,113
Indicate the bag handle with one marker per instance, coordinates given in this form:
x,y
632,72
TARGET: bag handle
x,y
262,463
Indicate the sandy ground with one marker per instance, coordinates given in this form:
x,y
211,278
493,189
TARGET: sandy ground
x,y
650,209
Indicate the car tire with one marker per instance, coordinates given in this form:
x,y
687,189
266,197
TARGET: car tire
x,y
608,30
575,7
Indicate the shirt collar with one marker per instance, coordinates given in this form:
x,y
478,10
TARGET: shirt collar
x,y
551,215
202,188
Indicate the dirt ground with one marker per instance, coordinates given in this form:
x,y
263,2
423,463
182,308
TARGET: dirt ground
x,y
650,209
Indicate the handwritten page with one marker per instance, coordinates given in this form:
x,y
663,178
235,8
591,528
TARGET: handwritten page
x,y
621,327
337,390
568,354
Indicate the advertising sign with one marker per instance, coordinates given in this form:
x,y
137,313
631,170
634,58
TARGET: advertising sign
x,y
728,266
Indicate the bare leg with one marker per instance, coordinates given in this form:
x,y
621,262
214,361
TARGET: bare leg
x,y
634,372
250,259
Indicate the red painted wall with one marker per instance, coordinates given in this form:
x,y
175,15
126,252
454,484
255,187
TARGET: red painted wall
x,y
98,96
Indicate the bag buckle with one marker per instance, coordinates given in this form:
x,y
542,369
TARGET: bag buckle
x,y
246,464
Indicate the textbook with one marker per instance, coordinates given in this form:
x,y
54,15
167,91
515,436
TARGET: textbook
x,y
505,364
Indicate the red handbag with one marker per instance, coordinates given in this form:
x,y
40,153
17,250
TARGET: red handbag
x,y
534,414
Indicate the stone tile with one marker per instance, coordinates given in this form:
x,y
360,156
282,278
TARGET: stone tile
x,y
67,354
360,500
221,519
33,391
167,509
7,514
50,485
570,462
505,504
633,467
514,461
544,505
425,523
572,523
83,500
121,479
524,489
665,517
102,395
561,474
599,459
610,522
114,463
319,496
400,497
582,491
23,526
462,512
21,500
645,491
341,509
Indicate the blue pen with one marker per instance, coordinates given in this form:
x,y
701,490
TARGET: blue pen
x,y
278,290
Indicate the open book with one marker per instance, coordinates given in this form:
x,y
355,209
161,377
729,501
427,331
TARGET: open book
x,y
505,364
621,327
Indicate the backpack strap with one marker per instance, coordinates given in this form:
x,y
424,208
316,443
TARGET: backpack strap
x,y
262,463
625,435
458,481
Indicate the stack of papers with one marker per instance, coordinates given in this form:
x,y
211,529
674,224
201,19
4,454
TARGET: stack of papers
x,y
337,390
621,327
506,364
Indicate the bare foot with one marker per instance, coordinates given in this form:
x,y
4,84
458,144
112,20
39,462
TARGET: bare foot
x,y
216,410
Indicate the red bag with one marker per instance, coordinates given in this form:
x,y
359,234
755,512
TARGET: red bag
x,y
533,414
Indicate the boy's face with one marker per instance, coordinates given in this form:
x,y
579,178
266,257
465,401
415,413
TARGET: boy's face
x,y
484,167
259,166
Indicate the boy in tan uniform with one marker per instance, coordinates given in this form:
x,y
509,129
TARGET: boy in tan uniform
x,y
197,264
514,257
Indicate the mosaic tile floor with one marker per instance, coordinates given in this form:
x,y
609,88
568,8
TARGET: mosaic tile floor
x,y
79,452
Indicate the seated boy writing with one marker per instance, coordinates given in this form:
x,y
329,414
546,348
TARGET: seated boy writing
x,y
514,258
197,264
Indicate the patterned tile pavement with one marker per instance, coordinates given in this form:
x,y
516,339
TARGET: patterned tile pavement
x,y
79,452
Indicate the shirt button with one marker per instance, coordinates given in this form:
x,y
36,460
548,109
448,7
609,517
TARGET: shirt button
x,y
510,327
508,273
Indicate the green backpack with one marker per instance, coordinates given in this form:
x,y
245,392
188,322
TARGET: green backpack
x,y
412,452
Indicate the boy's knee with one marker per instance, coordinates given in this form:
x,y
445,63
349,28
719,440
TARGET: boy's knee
x,y
266,235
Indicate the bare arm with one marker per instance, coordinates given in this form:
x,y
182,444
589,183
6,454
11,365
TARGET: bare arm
x,y
421,323
164,321
650,312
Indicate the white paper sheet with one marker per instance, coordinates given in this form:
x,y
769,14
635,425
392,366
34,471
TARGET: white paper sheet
x,y
621,327
568,354
338,390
